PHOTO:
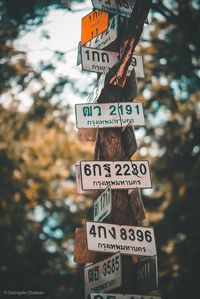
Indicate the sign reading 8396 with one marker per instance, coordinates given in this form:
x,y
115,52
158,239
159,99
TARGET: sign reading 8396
x,y
126,239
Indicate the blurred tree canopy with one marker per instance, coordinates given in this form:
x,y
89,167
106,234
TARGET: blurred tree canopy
x,y
172,141
39,207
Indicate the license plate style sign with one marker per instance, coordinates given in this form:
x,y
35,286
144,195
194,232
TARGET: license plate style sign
x,y
146,272
104,39
93,24
103,276
129,240
121,7
103,205
119,296
109,115
117,174
95,60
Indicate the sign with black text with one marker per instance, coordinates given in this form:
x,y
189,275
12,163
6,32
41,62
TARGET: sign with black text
x,y
123,8
104,39
117,174
79,183
120,296
93,24
103,205
130,240
103,276
109,115
95,60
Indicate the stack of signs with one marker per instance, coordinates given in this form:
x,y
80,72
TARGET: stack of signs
x,y
96,60
100,29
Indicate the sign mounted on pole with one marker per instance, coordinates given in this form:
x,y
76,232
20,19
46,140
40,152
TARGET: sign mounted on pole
x,y
93,24
129,240
103,205
107,37
123,8
95,60
120,296
109,115
146,272
117,174
79,183
93,97
103,276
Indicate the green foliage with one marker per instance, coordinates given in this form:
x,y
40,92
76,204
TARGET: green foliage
x,y
173,124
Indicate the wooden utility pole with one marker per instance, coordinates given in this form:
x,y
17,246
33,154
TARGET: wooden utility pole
x,y
110,146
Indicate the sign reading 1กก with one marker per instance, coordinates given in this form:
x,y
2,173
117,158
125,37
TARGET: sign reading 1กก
x,y
93,24
95,60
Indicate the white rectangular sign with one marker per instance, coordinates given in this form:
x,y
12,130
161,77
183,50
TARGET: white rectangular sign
x,y
129,240
95,60
120,296
123,8
104,39
103,276
103,205
109,115
79,183
117,174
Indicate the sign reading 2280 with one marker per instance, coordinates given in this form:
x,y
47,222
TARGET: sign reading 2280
x,y
117,174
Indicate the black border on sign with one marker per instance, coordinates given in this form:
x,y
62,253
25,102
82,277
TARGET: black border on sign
x,y
93,264
131,226
132,161
111,200
114,103
83,46
109,24
112,13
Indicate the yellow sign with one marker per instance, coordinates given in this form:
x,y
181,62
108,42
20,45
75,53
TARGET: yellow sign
x,y
93,24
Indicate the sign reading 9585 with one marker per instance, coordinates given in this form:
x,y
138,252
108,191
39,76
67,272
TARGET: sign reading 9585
x,y
117,174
